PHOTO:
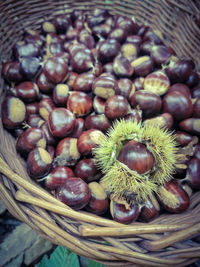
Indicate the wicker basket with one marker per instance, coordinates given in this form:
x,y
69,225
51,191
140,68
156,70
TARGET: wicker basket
x,y
166,241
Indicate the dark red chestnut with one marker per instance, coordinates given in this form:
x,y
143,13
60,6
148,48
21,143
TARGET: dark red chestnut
x,y
122,67
157,83
87,170
46,105
116,107
142,65
118,34
97,121
74,193
13,112
88,140
164,120
79,103
61,23
78,127
57,177
173,198
130,51
191,125
61,122
22,49
196,108
178,105
39,163
98,202
81,60
183,138
161,54
29,66
60,94
44,84
104,86
108,50
126,87
11,71
50,138
122,214
67,153
34,120
136,156
32,108
56,69
193,173
27,91
150,209
149,102
84,82
29,139
99,104
180,87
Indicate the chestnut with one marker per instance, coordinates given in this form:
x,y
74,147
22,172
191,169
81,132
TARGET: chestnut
x,y
79,103
193,173
61,23
164,120
88,140
29,139
46,105
129,51
196,108
57,177
122,67
32,108
190,125
44,84
27,91
149,102
61,122
82,60
83,82
178,105
50,138
161,54
134,114
98,202
87,170
108,50
97,121
11,71
13,112
156,82
99,104
34,120
123,214
143,65
56,69
74,193
105,86
183,138
118,34
150,209
173,197
116,107
23,49
67,153
39,163
136,156
180,87
126,87
60,94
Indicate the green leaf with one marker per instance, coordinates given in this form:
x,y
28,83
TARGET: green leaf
x,y
60,257
95,264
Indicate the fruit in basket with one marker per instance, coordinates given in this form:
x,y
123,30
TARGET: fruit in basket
x,y
113,107
98,202
75,193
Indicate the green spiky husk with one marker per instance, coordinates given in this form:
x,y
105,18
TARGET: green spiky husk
x,y
118,178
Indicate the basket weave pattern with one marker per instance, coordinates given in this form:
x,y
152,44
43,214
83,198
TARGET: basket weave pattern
x,y
167,240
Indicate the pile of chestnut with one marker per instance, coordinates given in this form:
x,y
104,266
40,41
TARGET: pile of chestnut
x,y
67,83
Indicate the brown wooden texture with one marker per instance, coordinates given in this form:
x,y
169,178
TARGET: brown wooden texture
x,y
171,241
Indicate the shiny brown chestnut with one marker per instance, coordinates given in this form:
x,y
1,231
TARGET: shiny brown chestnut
x,y
97,121
122,214
27,91
98,202
99,104
60,94
149,102
136,156
116,107
88,140
39,163
105,86
87,170
126,87
46,105
74,193
178,105
79,103
61,122
67,153
13,112
142,65
57,177
150,209
83,82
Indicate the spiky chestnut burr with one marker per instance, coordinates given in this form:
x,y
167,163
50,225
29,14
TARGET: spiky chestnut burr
x,y
135,176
